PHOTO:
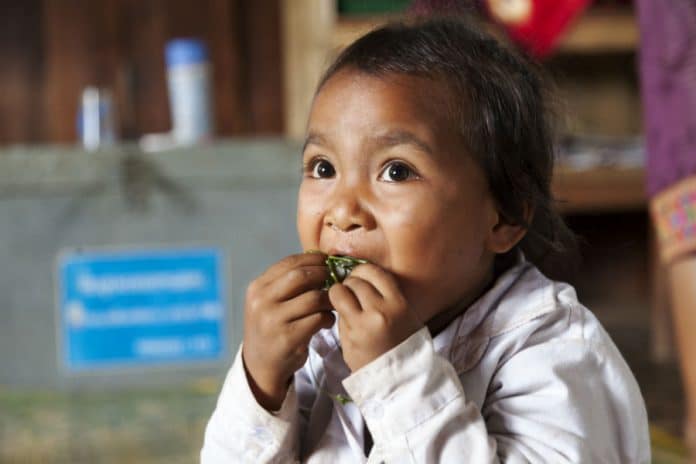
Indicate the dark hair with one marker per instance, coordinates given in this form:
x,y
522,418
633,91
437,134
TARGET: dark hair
x,y
499,106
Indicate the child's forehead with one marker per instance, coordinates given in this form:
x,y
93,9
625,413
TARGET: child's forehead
x,y
419,89
385,103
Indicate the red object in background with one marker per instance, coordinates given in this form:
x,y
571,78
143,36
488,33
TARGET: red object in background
x,y
536,25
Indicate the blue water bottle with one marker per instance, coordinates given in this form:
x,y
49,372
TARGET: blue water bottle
x,y
188,80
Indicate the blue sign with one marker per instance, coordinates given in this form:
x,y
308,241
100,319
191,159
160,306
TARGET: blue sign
x,y
134,308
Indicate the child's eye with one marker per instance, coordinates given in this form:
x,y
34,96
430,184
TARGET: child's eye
x,y
321,169
396,171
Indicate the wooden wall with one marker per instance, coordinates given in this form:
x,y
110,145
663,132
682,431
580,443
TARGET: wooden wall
x,y
51,49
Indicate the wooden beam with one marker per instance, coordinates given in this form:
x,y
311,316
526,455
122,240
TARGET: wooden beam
x,y
307,31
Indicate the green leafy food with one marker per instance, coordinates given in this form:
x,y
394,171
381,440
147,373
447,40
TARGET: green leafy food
x,y
342,399
340,267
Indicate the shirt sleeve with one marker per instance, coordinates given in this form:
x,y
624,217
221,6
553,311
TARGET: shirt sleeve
x,y
415,407
242,431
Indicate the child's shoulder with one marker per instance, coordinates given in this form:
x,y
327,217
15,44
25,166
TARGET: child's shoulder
x,y
529,310
526,301
533,329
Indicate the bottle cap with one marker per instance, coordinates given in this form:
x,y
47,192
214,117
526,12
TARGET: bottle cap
x,y
185,51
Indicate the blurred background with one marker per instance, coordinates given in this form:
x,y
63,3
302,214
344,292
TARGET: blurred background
x,y
149,159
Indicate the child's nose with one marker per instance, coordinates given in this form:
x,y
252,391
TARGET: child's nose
x,y
348,211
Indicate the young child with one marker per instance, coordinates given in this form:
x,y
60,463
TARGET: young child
x,y
428,154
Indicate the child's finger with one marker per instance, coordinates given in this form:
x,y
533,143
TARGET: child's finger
x,y
365,292
302,330
382,280
305,304
344,301
291,262
296,281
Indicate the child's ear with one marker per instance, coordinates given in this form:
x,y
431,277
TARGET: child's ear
x,y
504,235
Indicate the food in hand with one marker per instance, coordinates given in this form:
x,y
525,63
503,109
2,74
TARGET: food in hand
x,y
340,268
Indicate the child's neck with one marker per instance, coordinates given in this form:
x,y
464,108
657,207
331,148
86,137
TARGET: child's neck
x,y
443,319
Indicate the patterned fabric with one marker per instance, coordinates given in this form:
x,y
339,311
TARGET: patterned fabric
x,y
674,216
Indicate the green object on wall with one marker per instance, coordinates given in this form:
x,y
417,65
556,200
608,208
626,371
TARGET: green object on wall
x,y
350,7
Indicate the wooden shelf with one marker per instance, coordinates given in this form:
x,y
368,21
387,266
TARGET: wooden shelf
x,y
600,30
600,190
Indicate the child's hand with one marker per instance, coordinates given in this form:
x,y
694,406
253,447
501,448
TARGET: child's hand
x,y
284,307
374,315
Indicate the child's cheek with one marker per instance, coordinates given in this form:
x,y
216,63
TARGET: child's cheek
x,y
309,219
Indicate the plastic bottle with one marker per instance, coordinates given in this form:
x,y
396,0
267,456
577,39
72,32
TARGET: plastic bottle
x,y
188,79
96,119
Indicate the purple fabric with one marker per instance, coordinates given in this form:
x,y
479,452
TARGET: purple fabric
x,y
668,84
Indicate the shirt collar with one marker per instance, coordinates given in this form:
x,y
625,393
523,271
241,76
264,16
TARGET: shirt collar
x,y
519,295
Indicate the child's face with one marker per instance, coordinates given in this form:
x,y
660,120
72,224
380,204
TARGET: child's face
x,y
386,179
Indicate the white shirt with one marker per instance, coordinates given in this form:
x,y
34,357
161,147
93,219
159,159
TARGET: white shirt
x,y
526,374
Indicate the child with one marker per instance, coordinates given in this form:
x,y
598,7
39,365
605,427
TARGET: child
x,y
428,155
